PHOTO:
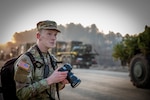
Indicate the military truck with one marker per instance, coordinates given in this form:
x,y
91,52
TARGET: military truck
x,y
75,53
134,51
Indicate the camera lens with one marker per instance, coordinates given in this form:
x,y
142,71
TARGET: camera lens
x,y
76,83
73,80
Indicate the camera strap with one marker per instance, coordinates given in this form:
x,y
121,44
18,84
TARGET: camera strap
x,y
46,70
46,67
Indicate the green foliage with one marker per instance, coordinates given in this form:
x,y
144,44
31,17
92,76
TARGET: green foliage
x,y
120,52
144,41
132,45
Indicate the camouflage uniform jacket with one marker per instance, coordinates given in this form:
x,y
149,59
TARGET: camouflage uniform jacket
x,y
30,83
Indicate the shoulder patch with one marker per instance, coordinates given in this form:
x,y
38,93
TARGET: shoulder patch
x,y
23,65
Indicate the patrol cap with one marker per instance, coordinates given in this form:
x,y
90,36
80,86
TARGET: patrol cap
x,y
47,24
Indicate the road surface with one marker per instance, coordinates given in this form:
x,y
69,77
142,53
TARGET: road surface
x,y
103,85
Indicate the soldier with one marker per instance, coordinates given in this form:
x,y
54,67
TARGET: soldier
x,y
30,83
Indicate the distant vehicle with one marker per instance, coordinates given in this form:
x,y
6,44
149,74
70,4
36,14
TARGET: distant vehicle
x,y
134,51
75,53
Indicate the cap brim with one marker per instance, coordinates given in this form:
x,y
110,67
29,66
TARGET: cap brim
x,y
52,28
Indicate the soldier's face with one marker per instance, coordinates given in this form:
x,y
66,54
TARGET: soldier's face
x,y
48,38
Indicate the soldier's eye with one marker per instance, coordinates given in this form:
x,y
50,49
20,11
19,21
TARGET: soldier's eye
x,y
49,33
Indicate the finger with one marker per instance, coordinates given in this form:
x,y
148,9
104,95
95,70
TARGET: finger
x,y
57,68
64,73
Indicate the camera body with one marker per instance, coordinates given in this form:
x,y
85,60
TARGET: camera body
x,y
73,80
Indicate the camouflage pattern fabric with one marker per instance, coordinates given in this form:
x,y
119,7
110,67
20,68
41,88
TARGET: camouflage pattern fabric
x,y
47,24
30,84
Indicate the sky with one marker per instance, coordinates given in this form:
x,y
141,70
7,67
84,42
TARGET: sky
x,y
123,16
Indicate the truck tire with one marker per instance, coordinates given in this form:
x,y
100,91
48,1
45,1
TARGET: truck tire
x,y
140,71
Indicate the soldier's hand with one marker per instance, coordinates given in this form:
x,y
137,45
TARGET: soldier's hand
x,y
57,76
65,81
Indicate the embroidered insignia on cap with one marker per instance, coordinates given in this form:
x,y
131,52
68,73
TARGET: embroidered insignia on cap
x,y
23,65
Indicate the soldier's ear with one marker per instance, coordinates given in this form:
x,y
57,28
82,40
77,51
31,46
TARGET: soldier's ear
x,y
38,35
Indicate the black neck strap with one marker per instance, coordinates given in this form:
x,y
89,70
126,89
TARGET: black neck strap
x,y
42,57
39,51
46,68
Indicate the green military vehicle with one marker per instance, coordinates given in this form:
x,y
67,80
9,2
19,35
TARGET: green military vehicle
x,y
134,51
76,53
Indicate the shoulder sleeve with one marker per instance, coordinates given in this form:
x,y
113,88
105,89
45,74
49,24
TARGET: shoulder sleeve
x,y
23,68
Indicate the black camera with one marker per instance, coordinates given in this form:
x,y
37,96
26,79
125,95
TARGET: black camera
x,y
73,80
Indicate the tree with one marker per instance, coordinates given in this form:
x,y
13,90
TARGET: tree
x,y
132,45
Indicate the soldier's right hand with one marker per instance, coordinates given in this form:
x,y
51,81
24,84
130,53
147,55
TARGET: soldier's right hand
x,y
56,76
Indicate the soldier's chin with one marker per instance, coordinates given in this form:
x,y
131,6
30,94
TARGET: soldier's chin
x,y
52,46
